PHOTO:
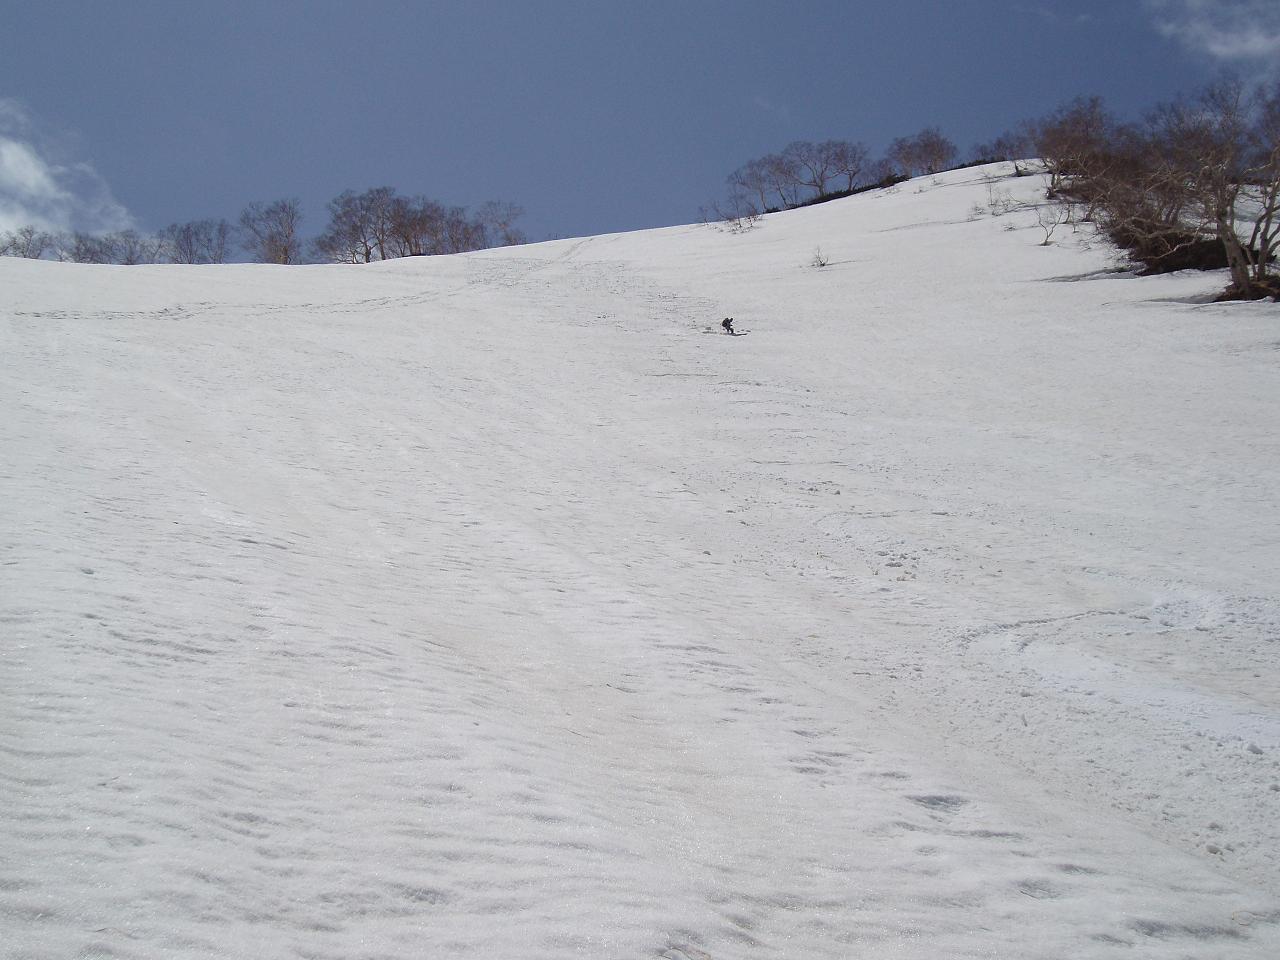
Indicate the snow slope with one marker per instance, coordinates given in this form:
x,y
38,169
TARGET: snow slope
x,y
495,606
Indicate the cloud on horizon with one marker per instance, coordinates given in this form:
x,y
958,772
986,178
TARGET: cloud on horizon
x,y
1244,33
36,189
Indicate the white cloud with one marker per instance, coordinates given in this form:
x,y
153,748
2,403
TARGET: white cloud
x,y
38,189
1245,33
24,174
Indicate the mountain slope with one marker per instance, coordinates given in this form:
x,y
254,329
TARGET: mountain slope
x,y
499,606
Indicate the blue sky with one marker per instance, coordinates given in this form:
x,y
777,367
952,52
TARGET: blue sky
x,y
593,116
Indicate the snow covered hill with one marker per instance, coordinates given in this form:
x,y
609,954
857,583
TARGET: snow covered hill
x,y
499,606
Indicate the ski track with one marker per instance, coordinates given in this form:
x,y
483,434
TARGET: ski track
x,y
481,606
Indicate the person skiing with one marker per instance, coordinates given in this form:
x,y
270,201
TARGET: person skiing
x,y
727,323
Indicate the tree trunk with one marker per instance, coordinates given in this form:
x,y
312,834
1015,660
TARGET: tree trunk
x,y
1241,280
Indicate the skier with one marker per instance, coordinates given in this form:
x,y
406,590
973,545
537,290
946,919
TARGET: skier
x,y
727,323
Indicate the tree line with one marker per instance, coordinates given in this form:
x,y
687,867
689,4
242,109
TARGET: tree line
x,y
378,224
805,172
1194,183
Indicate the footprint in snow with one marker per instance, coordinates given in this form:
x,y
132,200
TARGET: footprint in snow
x,y
944,803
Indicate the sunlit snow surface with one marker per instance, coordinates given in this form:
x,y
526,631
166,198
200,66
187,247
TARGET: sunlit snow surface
x,y
499,606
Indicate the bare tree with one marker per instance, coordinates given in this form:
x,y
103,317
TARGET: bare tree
x,y
1077,141
784,178
123,247
379,225
29,242
360,227
497,220
1264,187
902,156
752,180
884,172
130,247
1050,216
850,161
417,228
814,164
269,231
802,172
1122,178
1203,142
1016,146
427,228
197,241
737,215
79,247
379,216
1195,186
924,153
460,233
937,152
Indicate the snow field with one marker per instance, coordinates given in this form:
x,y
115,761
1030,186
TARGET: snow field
x,y
488,606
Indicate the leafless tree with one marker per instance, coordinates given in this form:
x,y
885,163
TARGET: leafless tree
x,y
80,247
1016,145
850,161
123,247
269,231
360,227
902,156
1199,161
1050,216
380,225
460,233
800,173
424,227
936,151
784,177
197,241
1263,188
497,220
1077,140
1121,177
1202,174
737,215
926,152
1180,187
753,183
29,242
883,172
130,247
814,164
417,228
